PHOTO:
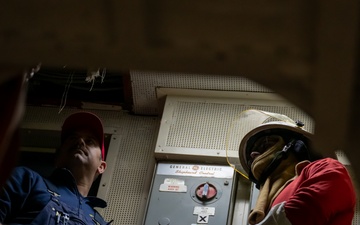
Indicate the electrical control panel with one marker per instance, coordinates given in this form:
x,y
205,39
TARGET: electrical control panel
x,y
191,194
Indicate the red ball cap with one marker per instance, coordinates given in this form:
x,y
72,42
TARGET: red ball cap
x,y
85,120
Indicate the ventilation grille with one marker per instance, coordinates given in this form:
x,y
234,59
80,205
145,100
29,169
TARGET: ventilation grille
x,y
205,125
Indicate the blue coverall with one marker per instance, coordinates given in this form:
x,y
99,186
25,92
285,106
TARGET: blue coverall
x,y
28,198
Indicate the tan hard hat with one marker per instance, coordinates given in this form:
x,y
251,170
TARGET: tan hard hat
x,y
283,126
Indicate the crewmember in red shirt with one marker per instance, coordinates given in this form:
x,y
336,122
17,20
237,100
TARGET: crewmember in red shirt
x,y
297,186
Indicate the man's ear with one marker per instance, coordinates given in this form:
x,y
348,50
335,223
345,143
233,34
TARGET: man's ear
x,y
101,169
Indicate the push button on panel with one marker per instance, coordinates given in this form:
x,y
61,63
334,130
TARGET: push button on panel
x,y
164,221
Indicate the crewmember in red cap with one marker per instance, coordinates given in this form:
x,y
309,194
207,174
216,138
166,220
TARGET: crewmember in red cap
x,y
28,198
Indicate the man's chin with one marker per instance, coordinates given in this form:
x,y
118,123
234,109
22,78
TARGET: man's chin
x,y
79,156
78,152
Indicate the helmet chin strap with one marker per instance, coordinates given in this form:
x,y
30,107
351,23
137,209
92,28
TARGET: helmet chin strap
x,y
297,146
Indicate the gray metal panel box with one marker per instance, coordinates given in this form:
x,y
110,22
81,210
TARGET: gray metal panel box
x,y
191,194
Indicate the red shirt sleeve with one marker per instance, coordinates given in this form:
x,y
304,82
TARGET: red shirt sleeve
x,y
323,193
